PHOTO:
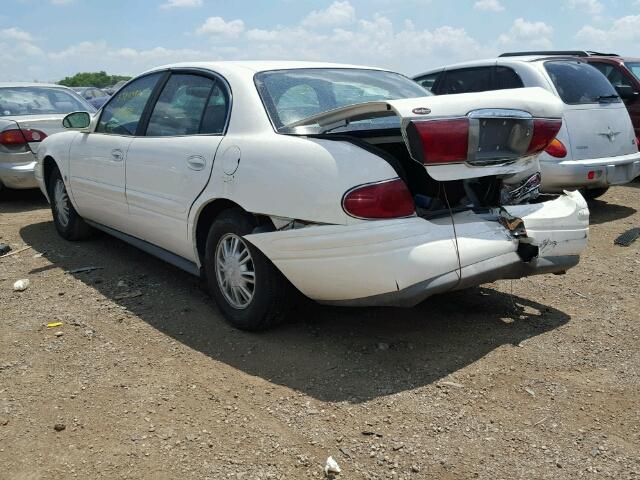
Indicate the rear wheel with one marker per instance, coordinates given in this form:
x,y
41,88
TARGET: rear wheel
x,y
249,290
593,193
68,222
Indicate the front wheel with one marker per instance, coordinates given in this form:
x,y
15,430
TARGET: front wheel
x,y
249,290
68,222
593,193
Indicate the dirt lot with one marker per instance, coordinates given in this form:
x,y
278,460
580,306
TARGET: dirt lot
x,y
537,378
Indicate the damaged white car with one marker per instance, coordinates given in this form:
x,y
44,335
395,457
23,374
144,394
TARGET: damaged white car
x,y
351,184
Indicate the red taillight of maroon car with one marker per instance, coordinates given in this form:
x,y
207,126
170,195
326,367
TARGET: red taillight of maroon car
x,y
381,200
442,141
544,132
15,137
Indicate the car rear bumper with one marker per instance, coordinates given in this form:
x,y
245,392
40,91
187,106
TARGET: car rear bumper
x,y
559,175
402,262
18,175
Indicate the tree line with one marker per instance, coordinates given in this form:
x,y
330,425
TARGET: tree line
x,y
92,79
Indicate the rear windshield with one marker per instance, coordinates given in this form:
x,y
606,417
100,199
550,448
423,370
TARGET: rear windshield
x,y
16,101
635,68
291,95
579,83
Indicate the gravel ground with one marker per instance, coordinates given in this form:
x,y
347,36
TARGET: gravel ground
x,y
536,378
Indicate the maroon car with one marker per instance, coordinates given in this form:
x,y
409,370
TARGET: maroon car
x,y
624,75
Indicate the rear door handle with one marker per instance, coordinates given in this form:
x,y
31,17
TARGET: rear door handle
x,y
196,162
117,154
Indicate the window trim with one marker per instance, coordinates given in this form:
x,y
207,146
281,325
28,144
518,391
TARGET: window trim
x,y
157,91
439,73
210,74
153,92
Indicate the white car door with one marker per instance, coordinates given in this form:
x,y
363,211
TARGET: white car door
x,y
170,164
97,159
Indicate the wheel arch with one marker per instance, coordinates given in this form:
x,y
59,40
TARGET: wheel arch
x,y
48,164
208,213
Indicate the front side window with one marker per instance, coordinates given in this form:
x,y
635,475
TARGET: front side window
x,y
122,114
635,68
428,81
16,101
291,95
466,80
579,83
181,106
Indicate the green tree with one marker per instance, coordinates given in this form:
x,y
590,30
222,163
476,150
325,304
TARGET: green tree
x,y
92,79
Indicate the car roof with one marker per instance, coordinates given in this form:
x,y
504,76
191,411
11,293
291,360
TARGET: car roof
x,y
29,84
258,65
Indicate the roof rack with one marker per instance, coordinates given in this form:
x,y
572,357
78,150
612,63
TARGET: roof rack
x,y
568,53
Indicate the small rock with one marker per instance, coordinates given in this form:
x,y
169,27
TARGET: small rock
x,y
21,285
383,346
529,391
331,468
4,249
58,427
59,334
415,469
4,421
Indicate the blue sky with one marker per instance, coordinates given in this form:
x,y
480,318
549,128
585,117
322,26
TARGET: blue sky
x,y
48,39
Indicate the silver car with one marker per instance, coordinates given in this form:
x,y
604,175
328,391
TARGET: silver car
x,y
29,112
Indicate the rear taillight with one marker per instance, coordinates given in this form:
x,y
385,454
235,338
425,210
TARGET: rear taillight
x,y
33,135
15,137
544,131
388,199
443,141
12,138
556,149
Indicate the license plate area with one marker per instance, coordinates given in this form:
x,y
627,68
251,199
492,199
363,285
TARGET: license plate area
x,y
498,137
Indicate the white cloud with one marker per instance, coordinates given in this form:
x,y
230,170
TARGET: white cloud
x,y
592,7
219,27
623,31
181,4
528,34
336,14
16,34
488,5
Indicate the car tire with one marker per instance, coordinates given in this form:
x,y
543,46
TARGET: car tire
x,y
69,224
593,193
249,290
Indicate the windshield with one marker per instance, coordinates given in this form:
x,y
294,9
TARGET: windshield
x,y
635,68
39,100
579,83
291,95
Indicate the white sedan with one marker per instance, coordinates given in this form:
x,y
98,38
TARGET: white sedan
x,y
352,185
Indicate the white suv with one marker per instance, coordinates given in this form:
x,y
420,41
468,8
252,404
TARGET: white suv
x,y
595,148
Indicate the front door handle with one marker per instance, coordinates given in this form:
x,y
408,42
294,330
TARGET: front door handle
x,y
117,154
196,162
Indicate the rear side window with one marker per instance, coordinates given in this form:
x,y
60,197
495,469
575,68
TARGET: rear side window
x,y
613,74
428,81
507,78
180,107
122,114
466,80
578,83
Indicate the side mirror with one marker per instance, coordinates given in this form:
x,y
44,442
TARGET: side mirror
x,y
77,120
626,92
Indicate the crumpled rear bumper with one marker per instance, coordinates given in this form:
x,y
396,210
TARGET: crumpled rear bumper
x,y
404,261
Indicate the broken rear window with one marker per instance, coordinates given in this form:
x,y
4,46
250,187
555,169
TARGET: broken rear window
x,y
291,95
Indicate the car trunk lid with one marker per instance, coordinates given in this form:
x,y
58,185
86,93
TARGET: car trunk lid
x,y
47,124
599,130
461,136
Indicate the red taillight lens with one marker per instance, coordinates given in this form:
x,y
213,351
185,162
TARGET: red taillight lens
x,y
12,138
33,135
443,141
556,149
15,137
544,131
388,199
